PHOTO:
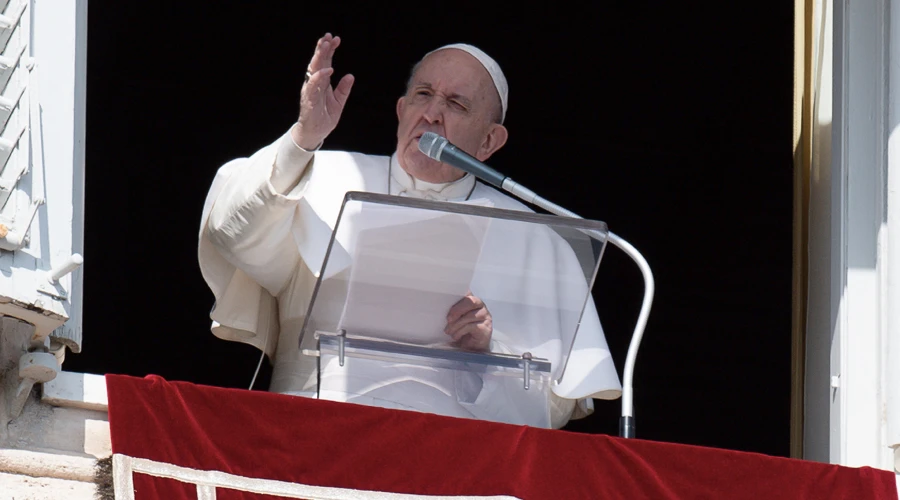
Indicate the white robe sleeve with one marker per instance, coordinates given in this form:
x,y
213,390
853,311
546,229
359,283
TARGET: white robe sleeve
x,y
246,248
250,220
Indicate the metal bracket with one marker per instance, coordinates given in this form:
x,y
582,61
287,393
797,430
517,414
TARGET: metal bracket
x,y
342,344
54,290
526,359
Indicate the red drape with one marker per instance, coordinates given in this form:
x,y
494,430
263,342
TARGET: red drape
x,y
273,436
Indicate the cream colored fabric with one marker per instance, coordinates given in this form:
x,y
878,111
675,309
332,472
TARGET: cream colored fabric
x,y
403,184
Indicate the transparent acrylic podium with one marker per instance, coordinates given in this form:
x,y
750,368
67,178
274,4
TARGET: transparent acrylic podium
x,y
394,268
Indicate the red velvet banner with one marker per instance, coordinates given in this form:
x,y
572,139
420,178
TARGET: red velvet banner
x,y
323,443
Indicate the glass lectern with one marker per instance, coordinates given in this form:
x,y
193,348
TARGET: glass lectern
x,y
395,267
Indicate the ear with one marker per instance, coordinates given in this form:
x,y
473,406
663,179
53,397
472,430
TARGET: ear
x,y
495,139
401,103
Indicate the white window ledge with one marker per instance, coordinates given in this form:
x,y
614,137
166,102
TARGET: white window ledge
x,y
76,390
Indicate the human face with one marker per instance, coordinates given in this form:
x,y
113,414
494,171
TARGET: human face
x,y
450,94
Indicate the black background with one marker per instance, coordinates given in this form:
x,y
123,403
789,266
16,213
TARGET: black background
x,y
669,121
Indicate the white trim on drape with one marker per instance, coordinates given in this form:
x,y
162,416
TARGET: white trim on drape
x,y
124,468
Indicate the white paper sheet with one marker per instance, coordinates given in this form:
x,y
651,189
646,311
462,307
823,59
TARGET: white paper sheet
x,y
409,267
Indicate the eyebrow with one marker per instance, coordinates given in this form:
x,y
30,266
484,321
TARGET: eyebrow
x,y
459,97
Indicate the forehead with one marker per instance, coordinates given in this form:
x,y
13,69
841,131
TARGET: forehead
x,y
454,71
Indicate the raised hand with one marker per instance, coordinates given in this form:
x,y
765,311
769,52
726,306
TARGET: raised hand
x,y
320,104
469,323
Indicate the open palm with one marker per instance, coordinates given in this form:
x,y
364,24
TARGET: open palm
x,y
321,104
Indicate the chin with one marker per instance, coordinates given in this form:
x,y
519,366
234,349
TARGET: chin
x,y
421,167
424,174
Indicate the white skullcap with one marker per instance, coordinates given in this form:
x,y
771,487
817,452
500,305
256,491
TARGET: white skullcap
x,y
490,65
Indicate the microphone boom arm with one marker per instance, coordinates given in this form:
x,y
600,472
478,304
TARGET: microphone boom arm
x,y
439,148
626,421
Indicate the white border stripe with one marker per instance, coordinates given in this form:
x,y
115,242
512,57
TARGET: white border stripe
x,y
123,480
208,481
206,492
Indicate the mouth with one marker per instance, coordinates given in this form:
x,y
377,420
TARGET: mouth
x,y
414,142
418,135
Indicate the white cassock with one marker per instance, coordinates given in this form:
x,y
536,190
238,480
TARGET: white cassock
x,y
266,225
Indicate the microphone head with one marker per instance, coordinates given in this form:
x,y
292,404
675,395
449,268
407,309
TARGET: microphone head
x,y
432,144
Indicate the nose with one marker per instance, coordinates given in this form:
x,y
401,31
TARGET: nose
x,y
434,112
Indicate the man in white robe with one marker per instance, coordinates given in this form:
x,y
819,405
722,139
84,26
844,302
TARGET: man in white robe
x,y
268,219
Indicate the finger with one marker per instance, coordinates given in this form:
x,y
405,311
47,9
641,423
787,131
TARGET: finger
x,y
474,316
470,343
322,46
318,59
479,331
468,329
328,52
474,336
342,91
462,307
325,54
320,79
314,93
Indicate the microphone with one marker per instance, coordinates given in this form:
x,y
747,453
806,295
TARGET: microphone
x,y
439,148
